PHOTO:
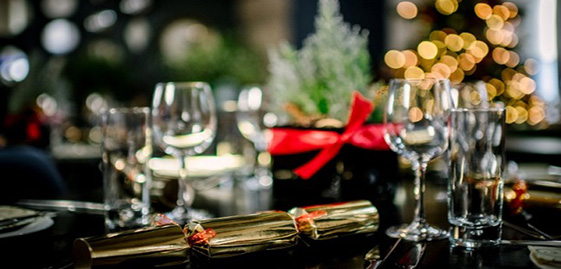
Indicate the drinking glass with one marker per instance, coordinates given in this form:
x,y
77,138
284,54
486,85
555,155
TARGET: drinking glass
x,y
251,118
127,148
416,127
475,190
184,124
470,94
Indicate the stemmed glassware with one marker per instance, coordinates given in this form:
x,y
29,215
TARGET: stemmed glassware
x,y
251,116
184,124
416,127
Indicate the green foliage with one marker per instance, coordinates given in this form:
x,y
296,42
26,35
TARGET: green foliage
x,y
320,77
226,58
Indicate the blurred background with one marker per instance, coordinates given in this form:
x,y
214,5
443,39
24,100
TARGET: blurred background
x,y
64,61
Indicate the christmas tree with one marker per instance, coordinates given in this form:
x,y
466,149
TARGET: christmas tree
x,y
472,40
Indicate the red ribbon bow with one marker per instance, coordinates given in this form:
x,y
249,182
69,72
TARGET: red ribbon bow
x,y
292,141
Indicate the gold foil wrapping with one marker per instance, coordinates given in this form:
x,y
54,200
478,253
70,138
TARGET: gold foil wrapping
x,y
159,242
228,236
335,220
237,235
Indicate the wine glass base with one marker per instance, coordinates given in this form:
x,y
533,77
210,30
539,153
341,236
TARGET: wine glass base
x,y
183,216
416,232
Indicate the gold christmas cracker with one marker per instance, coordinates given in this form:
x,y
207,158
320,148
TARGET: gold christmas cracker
x,y
329,221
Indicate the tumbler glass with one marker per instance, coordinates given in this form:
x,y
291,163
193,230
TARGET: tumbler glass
x,y
475,190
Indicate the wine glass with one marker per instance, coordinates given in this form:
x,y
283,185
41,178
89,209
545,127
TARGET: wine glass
x,y
416,127
253,120
184,124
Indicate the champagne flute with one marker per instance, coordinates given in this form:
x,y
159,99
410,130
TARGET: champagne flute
x,y
416,127
184,124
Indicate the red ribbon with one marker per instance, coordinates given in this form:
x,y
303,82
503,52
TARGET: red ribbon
x,y
293,141
306,219
201,237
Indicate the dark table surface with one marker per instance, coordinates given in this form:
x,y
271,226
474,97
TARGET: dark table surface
x,y
52,247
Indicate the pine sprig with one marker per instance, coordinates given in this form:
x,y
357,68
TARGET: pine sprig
x,y
320,77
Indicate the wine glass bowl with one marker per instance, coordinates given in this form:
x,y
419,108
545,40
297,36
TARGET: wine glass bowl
x,y
416,127
184,124
250,116
253,120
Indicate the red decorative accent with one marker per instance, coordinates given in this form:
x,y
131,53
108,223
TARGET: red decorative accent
x,y
520,188
201,237
293,141
308,218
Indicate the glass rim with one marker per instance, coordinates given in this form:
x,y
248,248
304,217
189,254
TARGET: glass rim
x,y
125,110
185,83
479,109
419,79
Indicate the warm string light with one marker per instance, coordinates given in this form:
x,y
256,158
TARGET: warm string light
x,y
455,56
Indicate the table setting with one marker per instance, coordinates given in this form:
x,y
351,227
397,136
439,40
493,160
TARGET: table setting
x,y
318,167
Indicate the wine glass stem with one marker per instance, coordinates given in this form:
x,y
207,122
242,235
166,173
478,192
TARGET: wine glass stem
x,y
185,193
420,173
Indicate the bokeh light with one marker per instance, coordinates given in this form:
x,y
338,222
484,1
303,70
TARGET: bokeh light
x,y
501,11
495,22
531,67
414,72
446,7
14,65
407,10
427,50
454,42
512,8
410,58
483,11
394,59
60,36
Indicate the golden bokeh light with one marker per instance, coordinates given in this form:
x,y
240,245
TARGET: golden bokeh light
x,y
454,42
507,38
410,58
495,22
507,74
457,76
491,91
495,37
512,8
468,39
437,35
483,11
466,61
394,59
513,90
522,115
501,11
511,114
531,67
508,26
415,114
407,10
527,85
500,55
450,61
478,49
427,50
414,72
535,115
499,86
442,70
446,7
514,41
513,59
